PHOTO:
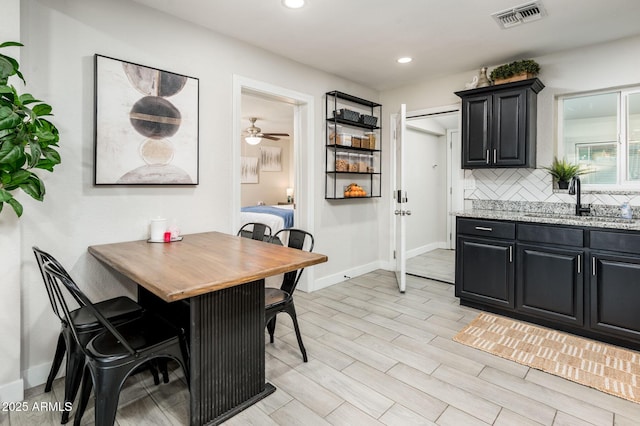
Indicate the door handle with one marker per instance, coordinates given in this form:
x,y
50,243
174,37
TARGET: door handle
x,y
495,156
487,156
397,212
593,266
579,262
408,212
402,212
484,228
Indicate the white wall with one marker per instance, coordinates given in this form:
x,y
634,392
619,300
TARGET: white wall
x,y
426,190
61,37
272,186
11,386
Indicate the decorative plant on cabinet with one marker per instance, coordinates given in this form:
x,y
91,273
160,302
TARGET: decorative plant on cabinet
x,y
27,140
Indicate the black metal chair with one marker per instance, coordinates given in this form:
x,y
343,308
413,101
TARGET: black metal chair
x,y
114,354
256,231
87,325
281,300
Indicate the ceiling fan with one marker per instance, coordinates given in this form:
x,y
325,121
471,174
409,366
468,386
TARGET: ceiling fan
x,y
254,135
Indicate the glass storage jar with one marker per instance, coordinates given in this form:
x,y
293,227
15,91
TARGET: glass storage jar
x,y
342,162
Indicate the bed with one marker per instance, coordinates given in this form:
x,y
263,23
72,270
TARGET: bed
x,y
277,217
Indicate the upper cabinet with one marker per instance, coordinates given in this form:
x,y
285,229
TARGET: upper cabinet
x,y
499,125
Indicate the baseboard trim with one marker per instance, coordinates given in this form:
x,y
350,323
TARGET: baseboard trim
x,y
346,274
426,248
37,375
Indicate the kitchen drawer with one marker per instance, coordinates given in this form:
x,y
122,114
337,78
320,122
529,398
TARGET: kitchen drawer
x,y
626,242
487,228
551,235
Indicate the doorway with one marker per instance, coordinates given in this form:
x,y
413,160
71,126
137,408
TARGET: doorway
x,y
430,141
302,160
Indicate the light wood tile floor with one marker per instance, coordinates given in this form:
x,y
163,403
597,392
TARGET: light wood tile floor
x,y
376,357
436,264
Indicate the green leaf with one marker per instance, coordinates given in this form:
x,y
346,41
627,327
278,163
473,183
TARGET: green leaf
x,y
42,109
36,153
10,153
5,195
51,155
17,207
6,68
33,187
11,43
45,164
9,119
20,176
28,98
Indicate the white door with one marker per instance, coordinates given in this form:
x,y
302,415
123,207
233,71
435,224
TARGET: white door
x,y
400,195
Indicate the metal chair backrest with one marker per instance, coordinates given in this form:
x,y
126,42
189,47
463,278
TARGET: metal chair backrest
x,y
297,239
59,280
258,232
42,257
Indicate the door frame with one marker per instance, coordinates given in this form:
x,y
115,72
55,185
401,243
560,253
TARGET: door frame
x,y
455,175
303,142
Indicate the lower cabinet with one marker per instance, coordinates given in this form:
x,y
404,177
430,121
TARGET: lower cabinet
x,y
550,283
578,279
484,271
615,294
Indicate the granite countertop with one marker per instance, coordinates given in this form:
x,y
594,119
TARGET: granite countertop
x,y
553,218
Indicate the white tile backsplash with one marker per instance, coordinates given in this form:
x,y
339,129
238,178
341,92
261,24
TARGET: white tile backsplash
x,y
530,185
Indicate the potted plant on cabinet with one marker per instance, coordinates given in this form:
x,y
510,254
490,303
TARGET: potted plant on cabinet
x,y
563,171
27,140
515,71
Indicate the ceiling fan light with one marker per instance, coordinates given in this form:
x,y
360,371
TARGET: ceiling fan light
x,y
253,140
293,4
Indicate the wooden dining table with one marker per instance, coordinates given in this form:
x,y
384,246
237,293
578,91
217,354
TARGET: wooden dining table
x,y
212,284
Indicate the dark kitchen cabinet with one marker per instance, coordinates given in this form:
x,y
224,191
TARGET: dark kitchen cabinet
x,y
499,125
615,283
484,262
550,283
550,280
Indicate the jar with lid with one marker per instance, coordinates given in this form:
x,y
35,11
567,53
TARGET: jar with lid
x,y
371,136
362,163
342,162
369,162
353,162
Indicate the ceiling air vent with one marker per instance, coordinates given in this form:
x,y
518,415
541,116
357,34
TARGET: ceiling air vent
x,y
520,14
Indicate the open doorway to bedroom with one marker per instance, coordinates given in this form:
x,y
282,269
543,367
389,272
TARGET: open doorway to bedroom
x,y
268,165
293,155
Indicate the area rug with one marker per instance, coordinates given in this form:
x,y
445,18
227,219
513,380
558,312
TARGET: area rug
x,y
608,368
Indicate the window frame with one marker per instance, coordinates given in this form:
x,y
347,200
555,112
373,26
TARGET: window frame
x,y
622,133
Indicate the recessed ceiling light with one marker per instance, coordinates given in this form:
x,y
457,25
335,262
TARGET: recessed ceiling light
x,y
293,4
405,60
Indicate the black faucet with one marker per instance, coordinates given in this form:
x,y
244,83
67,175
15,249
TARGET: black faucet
x,y
574,189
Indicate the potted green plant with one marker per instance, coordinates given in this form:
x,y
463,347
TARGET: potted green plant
x,y
28,141
563,171
515,71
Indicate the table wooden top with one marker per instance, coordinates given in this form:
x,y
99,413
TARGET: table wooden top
x,y
200,263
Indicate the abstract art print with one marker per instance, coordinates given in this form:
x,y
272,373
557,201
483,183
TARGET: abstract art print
x,y
146,125
248,169
271,159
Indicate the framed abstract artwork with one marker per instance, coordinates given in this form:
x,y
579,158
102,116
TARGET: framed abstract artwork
x,y
248,169
146,125
271,159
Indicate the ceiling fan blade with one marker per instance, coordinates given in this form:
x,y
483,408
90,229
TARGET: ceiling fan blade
x,y
276,134
268,136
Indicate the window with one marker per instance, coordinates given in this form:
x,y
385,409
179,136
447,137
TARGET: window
x,y
601,132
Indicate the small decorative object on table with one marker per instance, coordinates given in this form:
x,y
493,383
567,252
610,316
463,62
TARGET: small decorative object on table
x,y
563,171
515,71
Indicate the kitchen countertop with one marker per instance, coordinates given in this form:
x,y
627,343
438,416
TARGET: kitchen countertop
x,y
552,218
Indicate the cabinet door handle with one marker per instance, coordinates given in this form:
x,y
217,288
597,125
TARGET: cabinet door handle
x,y
593,266
487,156
510,254
483,228
495,156
579,262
